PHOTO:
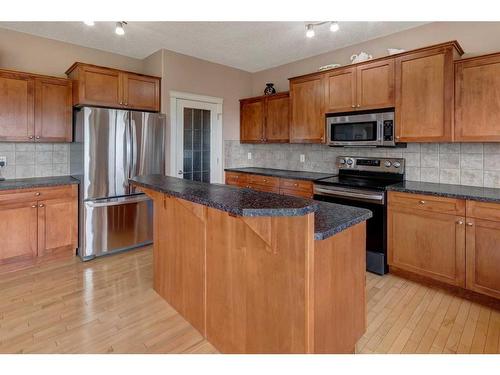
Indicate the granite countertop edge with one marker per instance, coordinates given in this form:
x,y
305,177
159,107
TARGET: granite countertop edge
x,y
37,182
474,193
244,212
282,173
324,228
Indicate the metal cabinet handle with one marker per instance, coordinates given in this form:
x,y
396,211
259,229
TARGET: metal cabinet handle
x,y
30,137
421,202
34,206
37,194
121,103
460,222
295,184
41,205
470,224
353,106
397,137
358,106
37,137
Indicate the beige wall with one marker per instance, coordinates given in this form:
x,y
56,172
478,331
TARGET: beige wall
x,y
475,38
24,52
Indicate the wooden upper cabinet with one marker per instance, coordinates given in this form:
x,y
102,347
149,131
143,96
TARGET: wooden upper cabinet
x,y
106,87
277,124
375,85
340,90
477,99
16,107
34,108
252,120
265,119
53,110
424,94
141,92
307,97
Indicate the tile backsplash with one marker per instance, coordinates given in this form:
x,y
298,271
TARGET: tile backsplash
x,y
475,164
34,159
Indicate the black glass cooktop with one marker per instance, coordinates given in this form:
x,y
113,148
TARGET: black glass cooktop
x,y
358,182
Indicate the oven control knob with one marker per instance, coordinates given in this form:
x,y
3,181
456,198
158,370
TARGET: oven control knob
x,y
396,164
349,161
387,163
342,161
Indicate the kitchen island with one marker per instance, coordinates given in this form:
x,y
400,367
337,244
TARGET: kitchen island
x,y
258,272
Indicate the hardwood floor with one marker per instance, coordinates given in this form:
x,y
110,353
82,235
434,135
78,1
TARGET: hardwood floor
x,y
62,305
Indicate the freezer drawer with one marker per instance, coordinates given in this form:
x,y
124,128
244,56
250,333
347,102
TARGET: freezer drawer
x,y
115,224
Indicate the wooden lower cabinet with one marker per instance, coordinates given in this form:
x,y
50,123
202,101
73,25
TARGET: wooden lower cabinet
x,y
284,186
460,250
31,226
428,243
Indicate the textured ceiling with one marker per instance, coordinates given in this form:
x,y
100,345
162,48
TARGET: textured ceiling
x,y
250,46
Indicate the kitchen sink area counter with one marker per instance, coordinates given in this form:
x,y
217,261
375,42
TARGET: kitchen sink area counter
x,y
259,272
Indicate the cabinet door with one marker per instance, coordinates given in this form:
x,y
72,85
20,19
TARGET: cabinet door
x,y
477,100
277,119
307,122
252,121
427,243
483,256
57,224
100,87
340,90
375,85
16,102
140,92
53,110
424,96
18,228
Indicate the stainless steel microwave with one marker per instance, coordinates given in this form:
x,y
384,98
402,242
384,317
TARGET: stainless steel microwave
x,y
368,129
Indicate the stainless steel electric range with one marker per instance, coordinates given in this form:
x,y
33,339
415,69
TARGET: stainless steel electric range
x,y
362,182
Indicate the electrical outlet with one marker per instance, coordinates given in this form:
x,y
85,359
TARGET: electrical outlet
x,y
3,161
249,156
302,158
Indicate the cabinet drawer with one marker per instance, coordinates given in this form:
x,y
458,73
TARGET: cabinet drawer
x,y
297,193
266,188
238,179
22,195
428,203
301,185
483,210
264,180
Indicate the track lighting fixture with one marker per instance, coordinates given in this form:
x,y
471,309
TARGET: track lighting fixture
x,y
120,28
309,31
334,26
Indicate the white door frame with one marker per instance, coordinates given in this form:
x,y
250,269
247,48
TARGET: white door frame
x,y
216,165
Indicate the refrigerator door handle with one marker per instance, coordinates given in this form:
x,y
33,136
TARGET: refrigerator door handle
x,y
133,140
117,201
128,167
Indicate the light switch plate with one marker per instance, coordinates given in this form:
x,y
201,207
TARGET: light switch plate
x,y
302,158
4,159
249,156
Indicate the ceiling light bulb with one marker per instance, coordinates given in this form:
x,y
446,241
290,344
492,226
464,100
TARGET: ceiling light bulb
x,y
334,26
309,31
89,23
119,28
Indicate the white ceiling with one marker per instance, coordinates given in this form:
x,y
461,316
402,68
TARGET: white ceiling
x,y
250,46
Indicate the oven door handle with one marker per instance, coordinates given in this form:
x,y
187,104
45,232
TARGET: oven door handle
x,y
379,198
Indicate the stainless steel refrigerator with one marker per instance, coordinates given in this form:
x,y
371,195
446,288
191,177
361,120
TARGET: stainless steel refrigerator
x,y
110,147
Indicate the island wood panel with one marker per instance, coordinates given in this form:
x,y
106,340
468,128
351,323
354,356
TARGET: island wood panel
x,y
17,121
179,252
340,311
307,112
477,99
427,243
375,85
483,256
424,96
259,283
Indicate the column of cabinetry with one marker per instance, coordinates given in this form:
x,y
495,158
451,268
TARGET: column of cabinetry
x,y
450,240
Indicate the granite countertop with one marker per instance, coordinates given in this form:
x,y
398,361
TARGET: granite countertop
x,y
448,190
332,218
282,173
236,201
37,182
